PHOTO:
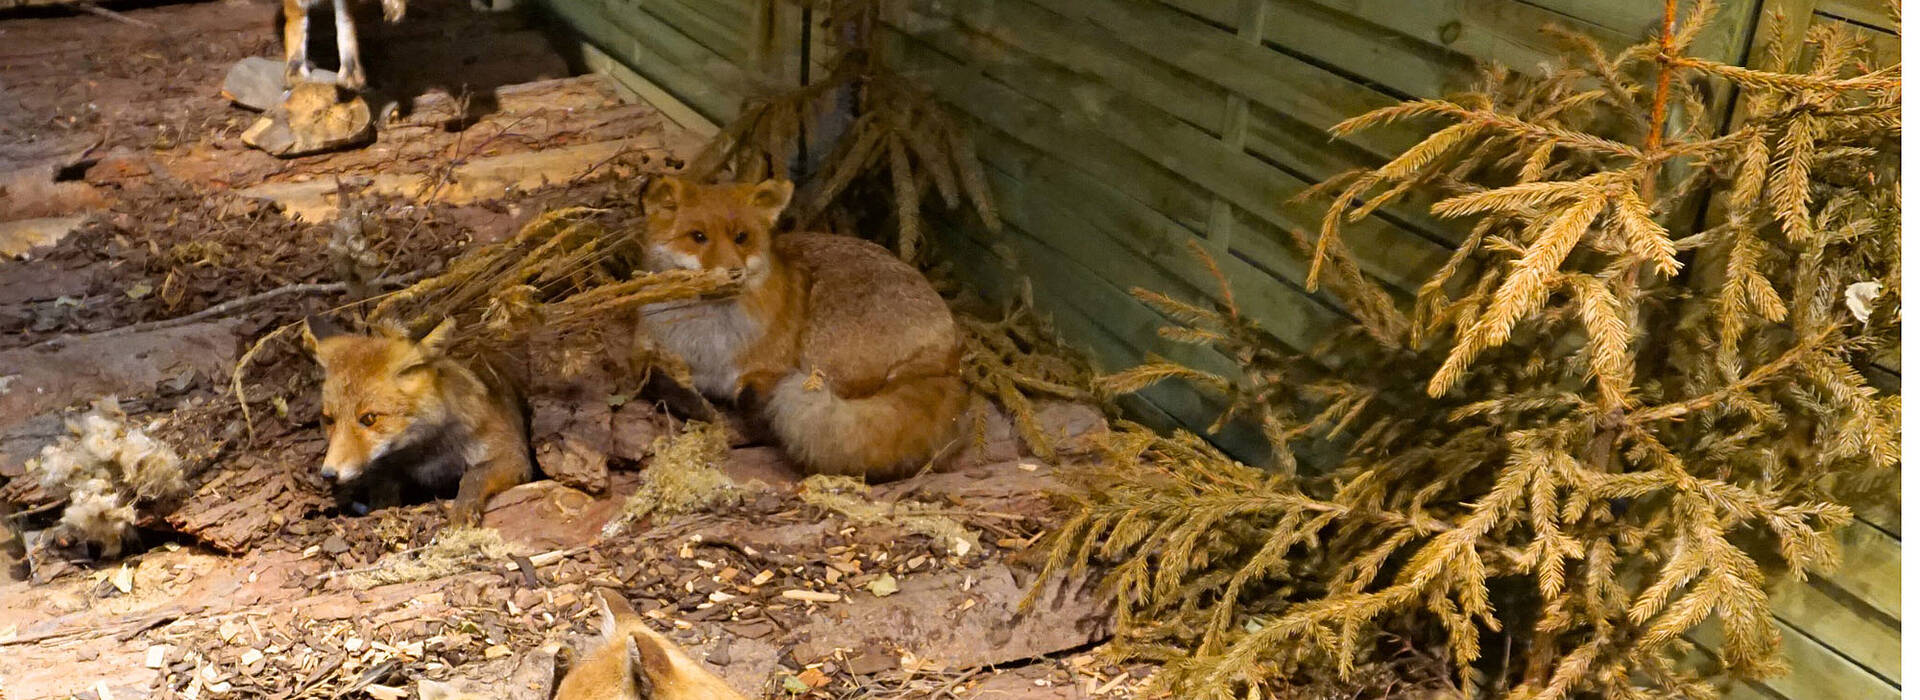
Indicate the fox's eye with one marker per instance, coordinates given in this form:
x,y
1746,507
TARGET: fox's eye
x,y
368,419
698,237
326,421
740,238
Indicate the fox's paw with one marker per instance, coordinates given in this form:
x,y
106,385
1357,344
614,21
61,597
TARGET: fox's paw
x,y
756,386
463,514
352,76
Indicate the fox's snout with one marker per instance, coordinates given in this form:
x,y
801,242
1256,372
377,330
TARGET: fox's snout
x,y
336,472
347,456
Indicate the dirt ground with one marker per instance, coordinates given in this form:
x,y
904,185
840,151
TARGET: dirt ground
x,y
144,250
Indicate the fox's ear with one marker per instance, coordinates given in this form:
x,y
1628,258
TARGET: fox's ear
x,y
436,341
609,621
771,197
614,609
637,668
436,690
316,329
664,195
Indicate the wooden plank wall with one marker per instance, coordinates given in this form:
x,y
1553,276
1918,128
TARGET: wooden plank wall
x,y
1114,132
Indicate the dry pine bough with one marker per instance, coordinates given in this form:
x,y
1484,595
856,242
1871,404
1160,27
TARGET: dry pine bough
x,y
1632,398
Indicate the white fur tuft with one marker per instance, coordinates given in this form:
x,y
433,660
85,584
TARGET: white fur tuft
x,y
105,468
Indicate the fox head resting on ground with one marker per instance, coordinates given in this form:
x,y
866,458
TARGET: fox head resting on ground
x,y
402,406
629,662
718,227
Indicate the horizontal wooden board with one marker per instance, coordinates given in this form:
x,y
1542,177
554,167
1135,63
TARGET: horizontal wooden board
x,y
654,50
635,87
1084,111
1851,629
1872,13
1399,65
1882,46
1817,671
1503,31
1284,83
1095,220
1870,570
1632,18
727,38
1017,38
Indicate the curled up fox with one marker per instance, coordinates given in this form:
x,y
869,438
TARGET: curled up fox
x,y
847,353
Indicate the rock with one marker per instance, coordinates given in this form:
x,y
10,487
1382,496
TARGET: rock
x,y
18,238
258,82
767,465
117,168
79,368
635,426
574,463
871,660
546,515
989,632
312,120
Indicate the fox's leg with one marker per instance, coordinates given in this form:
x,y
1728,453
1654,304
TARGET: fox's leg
x,y
299,65
352,75
484,481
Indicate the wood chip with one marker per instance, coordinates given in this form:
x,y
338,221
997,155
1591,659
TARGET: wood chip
x,y
157,655
382,692
810,596
498,650
123,579
761,579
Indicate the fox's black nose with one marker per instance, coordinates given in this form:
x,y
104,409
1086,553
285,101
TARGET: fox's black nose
x,y
328,473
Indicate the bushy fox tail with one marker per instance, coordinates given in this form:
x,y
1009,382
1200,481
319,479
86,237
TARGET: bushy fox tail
x,y
887,435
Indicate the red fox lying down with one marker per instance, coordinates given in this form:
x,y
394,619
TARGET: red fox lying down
x,y
629,662
400,411
848,353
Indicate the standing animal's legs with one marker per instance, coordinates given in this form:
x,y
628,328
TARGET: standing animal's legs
x,y
352,75
299,65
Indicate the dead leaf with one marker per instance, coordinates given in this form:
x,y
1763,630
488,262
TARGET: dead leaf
x,y
883,586
813,678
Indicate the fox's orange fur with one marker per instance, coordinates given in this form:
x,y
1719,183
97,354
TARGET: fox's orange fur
x,y
398,406
849,353
630,661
